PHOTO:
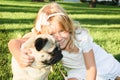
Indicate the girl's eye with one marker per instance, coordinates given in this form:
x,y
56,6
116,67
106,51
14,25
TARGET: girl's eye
x,y
62,32
52,34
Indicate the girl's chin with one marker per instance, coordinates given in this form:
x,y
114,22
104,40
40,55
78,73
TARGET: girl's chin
x,y
62,47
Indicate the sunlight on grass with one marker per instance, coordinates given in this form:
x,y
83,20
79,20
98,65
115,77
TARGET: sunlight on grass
x,y
17,18
13,26
102,26
95,16
17,15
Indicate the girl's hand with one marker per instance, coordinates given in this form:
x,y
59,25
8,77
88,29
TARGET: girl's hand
x,y
25,59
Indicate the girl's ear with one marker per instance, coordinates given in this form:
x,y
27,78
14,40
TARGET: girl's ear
x,y
40,43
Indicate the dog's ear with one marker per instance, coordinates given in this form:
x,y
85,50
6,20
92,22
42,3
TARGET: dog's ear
x,y
40,43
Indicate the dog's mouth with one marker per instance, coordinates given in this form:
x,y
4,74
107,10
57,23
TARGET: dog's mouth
x,y
56,56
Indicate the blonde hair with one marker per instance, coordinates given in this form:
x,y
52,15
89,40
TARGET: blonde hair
x,y
48,9
53,13
53,8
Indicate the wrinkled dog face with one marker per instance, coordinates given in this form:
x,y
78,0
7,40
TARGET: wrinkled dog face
x,y
45,50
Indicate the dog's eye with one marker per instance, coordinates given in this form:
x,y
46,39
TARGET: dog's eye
x,y
42,56
50,52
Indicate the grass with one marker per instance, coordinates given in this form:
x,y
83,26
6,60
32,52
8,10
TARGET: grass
x,y
17,18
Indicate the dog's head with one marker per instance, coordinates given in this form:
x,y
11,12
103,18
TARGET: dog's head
x,y
45,50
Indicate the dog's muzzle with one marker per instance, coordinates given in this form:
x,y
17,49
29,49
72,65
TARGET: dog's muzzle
x,y
46,44
56,56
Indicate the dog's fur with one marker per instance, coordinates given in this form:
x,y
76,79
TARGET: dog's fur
x,y
44,48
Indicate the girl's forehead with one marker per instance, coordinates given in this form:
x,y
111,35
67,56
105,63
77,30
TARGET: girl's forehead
x,y
54,28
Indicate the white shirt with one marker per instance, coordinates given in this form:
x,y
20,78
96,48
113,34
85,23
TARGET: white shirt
x,y
105,62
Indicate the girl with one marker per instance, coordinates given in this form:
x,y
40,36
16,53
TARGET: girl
x,y
82,58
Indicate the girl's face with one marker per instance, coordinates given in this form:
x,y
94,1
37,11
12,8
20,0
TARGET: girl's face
x,y
61,36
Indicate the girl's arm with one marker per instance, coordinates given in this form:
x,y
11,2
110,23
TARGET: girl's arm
x,y
90,65
22,58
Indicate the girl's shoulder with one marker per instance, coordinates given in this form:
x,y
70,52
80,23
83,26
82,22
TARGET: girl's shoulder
x,y
82,34
83,40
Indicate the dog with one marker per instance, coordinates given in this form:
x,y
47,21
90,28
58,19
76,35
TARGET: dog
x,y
46,52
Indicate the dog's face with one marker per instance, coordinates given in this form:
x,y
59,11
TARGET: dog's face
x,y
45,50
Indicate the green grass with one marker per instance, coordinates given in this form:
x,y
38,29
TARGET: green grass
x,y
17,18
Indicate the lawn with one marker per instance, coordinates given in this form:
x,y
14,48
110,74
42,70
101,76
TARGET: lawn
x,y
17,18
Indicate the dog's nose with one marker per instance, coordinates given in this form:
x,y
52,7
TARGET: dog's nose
x,y
46,62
